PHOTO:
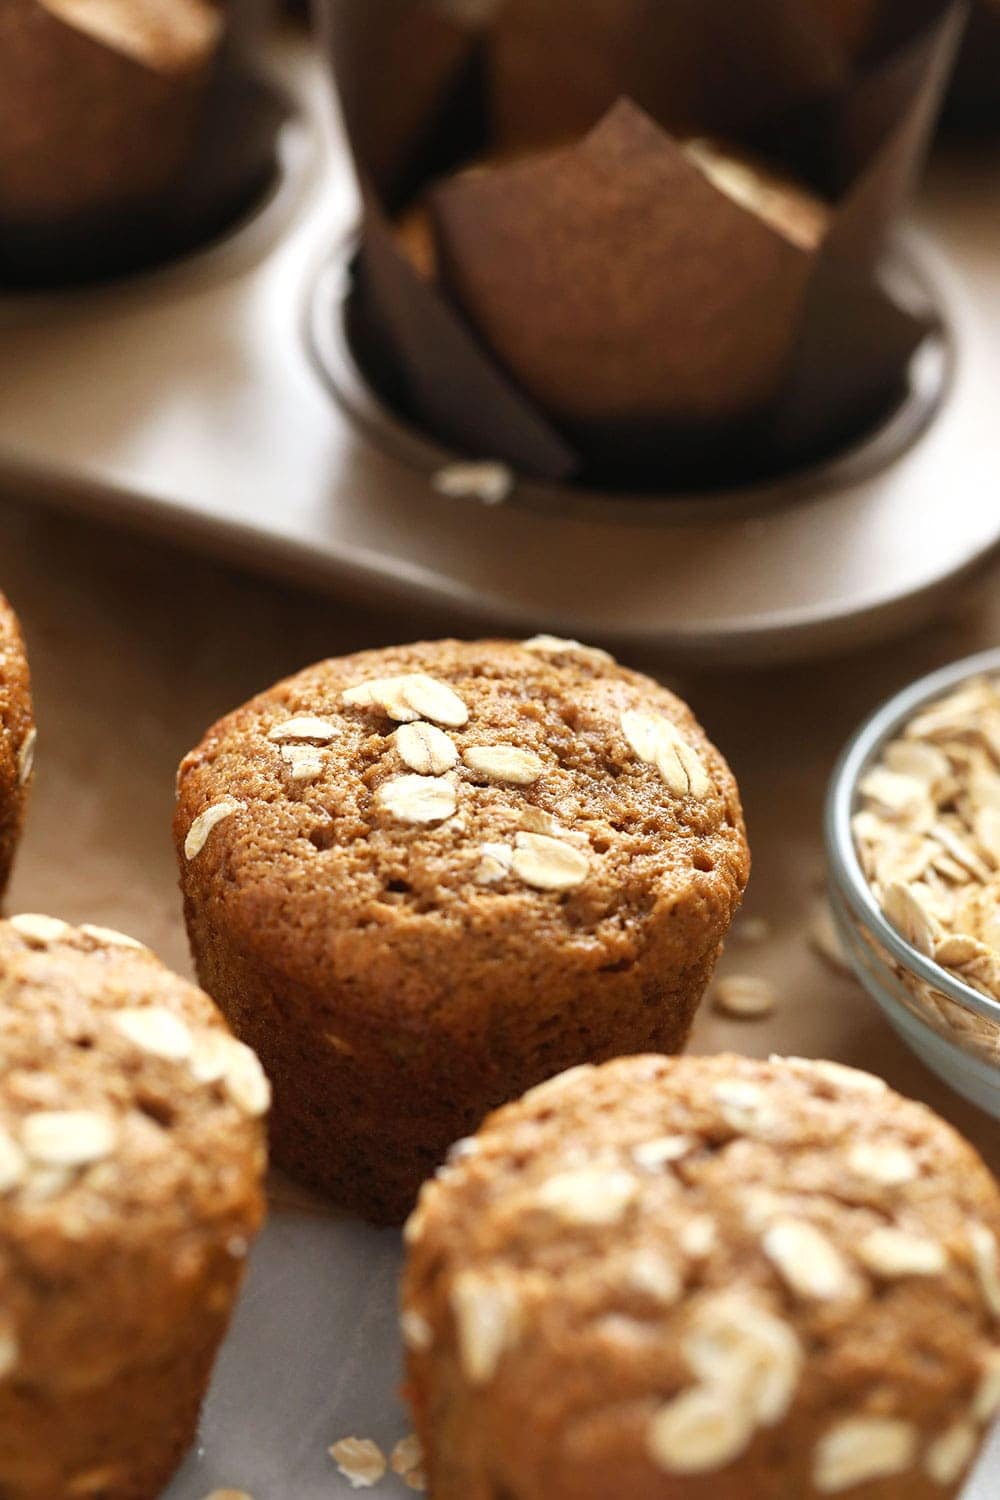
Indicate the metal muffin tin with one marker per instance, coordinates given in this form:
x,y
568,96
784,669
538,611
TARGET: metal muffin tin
x,y
217,401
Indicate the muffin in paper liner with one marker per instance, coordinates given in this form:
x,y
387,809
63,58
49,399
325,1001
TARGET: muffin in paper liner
x,y
596,302
129,132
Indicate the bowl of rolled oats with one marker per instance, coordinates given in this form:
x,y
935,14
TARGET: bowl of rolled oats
x,y
913,843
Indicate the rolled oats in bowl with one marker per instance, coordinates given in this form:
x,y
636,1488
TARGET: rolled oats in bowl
x,y
914,844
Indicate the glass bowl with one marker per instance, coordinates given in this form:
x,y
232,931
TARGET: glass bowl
x,y
954,1028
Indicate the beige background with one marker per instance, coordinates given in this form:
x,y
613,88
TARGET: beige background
x,y
136,647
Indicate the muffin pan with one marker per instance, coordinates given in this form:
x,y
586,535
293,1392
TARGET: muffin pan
x,y
217,401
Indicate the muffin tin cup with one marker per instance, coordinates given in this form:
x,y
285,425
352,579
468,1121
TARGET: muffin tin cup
x,y
953,1027
790,344
286,458
928,381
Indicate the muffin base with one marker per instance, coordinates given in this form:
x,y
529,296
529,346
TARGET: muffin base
x,y
120,1440
370,1121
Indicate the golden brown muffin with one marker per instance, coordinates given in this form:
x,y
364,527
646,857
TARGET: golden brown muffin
x,y
705,1279
419,880
17,738
131,1158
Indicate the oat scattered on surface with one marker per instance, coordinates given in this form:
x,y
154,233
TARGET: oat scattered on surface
x,y
40,930
418,799
657,741
666,1148
555,645
406,1455
13,1163
738,1346
745,995
702,1429
245,1080
809,1263
548,864
360,1460
825,940
861,1449
495,861
229,1495
488,482
652,1275
425,749
26,756
417,1333
986,1256
304,727
742,1104
487,1317
303,762
534,820
504,763
411,696
68,1137
203,824
589,1195
698,1237
111,937
887,1165
157,1030
950,1455
986,1403
892,1252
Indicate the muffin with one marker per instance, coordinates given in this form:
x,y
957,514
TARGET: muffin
x,y
790,209
131,1158
17,737
420,880
100,103
705,1279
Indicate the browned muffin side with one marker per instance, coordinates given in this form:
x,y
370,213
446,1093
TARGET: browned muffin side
x,y
131,1159
420,880
17,738
705,1279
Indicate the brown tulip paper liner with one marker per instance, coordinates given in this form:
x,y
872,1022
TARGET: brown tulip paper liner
x,y
973,102
120,149
601,309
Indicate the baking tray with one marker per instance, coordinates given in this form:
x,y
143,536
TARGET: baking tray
x,y
217,401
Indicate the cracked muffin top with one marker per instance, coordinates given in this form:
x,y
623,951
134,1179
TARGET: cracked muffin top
x,y
679,1272
436,795
131,1145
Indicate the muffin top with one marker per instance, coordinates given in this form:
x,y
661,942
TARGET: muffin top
x,y
17,734
460,798
131,1141
677,1265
